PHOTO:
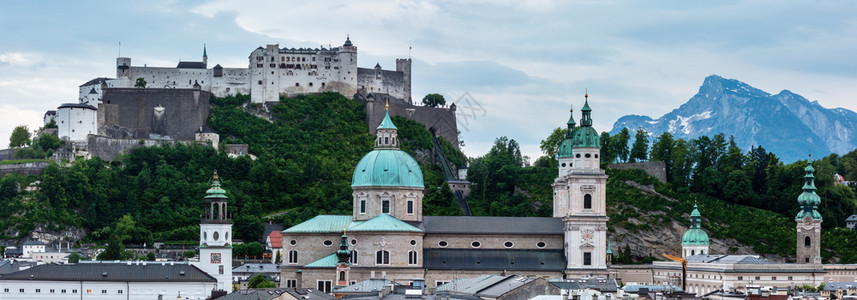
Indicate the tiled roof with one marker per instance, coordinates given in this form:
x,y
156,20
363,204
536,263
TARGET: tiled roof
x,y
600,284
326,262
494,259
470,285
257,268
97,80
12,266
190,65
270,228
372,285
505,286
492,225
267,294
276,239
333,224
727,259
113,272
383,222
77,105
321,224
833,286
34,243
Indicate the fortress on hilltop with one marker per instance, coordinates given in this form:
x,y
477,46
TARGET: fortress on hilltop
x,y
271,71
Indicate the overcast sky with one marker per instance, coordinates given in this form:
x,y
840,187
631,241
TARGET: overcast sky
x,y
524,62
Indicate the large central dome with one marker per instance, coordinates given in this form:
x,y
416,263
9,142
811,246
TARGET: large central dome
x,y
387,167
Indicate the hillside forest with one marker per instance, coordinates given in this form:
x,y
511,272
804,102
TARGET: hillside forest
x,y
307,147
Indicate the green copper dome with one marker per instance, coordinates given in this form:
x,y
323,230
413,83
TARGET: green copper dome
x,y
388,167
586,136
215,192
695,235
387,123
808,199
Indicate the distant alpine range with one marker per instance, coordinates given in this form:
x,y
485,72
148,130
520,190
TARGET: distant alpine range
x,y
786,124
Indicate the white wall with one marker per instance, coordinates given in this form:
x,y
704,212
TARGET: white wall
x,y
94,290
74,123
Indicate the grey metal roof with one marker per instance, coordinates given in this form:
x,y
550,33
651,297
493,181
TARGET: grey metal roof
x,y
77,105
600,284
851,218
505,286
257,268
12,266
833,286
728,259
470,285
494,259
373,285
492,225
267,294
191,65
98,80
270,228
35,243
113,272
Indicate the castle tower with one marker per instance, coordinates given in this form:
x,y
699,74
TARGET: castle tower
x,y
808,222
343,265
347,67
404,65
695,240
582,204
215,244
123,67
387,180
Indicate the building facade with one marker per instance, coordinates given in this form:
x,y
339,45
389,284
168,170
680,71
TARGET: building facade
x,y
76,121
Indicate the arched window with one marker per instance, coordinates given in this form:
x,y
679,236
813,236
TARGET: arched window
x,y
362,206
341,275
382,257
353,257
293,256
692,252
412,257
807,242
587,201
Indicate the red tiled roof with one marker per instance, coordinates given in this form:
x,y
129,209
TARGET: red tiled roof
x,y
276,239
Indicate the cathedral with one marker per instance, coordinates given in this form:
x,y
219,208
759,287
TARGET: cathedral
x,y
387,236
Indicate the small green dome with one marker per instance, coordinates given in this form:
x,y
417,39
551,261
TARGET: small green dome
x,y
586,137
215,192
694,236
386,123
387,167
565,148
808,199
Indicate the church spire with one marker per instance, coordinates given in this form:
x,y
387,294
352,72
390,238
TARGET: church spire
x,y
387,132
571,124
204,55
808,199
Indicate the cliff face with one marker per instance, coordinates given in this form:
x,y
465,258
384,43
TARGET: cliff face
x,y
786,123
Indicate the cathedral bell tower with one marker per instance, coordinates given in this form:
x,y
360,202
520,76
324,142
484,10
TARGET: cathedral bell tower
x,y
580,198
215,236
343,265
808,222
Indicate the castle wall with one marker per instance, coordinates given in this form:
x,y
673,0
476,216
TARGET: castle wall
x,y
382,81
290,72
655,169
135,113
442,119
75,121
107,148
33,168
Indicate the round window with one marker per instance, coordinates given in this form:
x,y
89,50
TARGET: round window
x,y
293,242
353,242
215,235
578,155
328,243
596,155
541,244
588,155
475,244
563,165
442,244
413,242
508,244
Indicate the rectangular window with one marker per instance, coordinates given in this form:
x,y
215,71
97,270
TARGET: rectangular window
x,y
353,257
38,290
385,206
62,291
104,291
382,257
291,283
587,258
52,291
362,206
740,277
790,278
293,256
324,285
20,290
74,291
758,277
410,207
412,257
119,292
220,269
89,291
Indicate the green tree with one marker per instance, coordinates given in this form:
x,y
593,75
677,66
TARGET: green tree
x,y
140,83
150,256
662,150
619,144
259,281
641,146
189,254
74,257
20,136
279,258
114,251
434,100
550,145
608,155
48,142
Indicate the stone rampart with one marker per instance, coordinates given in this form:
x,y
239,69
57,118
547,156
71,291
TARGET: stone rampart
x,y
144,113
441,119
106,147
31,168
656,169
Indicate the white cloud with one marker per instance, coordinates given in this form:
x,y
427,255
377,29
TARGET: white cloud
x,y
19,59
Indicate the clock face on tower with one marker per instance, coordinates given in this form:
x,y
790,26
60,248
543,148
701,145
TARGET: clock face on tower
x,y
215,258
807,221
587,235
